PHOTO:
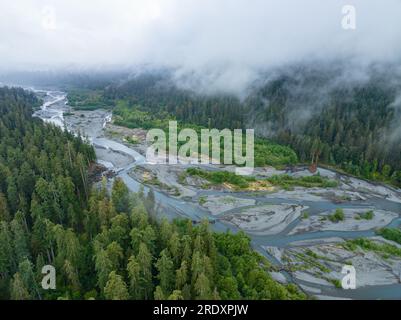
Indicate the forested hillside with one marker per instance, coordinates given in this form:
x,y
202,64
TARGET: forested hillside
x,y
104,244
43,184
348,123
158,92
322,112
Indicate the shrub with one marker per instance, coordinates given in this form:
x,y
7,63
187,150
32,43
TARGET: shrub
x,y
337,216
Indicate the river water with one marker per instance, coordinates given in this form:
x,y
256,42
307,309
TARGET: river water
x,y
52,111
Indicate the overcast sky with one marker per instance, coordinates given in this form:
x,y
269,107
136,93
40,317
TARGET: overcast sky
x,y
230,38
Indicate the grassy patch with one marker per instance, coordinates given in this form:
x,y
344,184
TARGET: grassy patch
x,y
157,183
385,249
305,215
369,215
221,177
337,216
336,283
202,200
242,182
310,260
131,140
287,182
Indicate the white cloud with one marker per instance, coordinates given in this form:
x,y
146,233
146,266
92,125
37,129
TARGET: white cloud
x,y
225,41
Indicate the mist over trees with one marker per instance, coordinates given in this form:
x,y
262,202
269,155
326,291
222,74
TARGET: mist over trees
x,y
347,118
104,244
348,122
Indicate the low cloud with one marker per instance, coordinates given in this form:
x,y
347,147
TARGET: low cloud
x,y
219,44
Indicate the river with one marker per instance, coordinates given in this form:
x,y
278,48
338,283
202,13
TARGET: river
x,y
52,111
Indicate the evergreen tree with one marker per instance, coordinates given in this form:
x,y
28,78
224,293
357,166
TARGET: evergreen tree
x,y
120,196
145,270
116,288
165,267
18,289
159,294
4,213
176,295
133,270
202,288
7,262
19,240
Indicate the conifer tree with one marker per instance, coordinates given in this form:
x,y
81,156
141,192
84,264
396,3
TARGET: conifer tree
x,y
116,288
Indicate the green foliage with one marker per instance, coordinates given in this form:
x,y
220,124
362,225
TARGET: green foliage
x,y
220,177
131,140
391,234
242,182
346,129
311,254
138,116
310,260
86,99
154,94
305,215
369,245
104,245
369,215
337,216
248,268
116,289
202,200
336,283
268,153
120,196
288,182
178,260
18,289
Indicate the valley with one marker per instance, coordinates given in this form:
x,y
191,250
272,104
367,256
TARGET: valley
x,y
308,231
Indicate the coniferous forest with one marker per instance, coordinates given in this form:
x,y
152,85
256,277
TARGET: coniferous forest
x,y
104,243
350,124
